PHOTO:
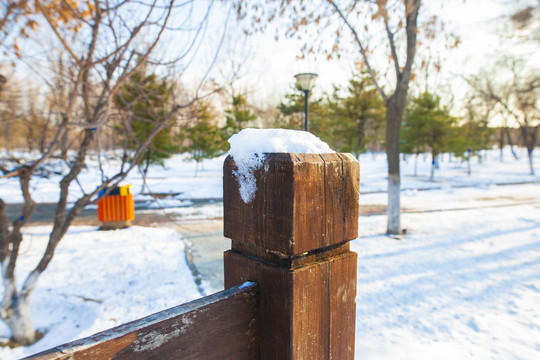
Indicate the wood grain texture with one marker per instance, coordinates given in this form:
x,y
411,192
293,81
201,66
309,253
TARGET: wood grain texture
x,y
275,301
224,325
303,202
267,220
292,239
351,179
306,312
309,206
311,311
342,290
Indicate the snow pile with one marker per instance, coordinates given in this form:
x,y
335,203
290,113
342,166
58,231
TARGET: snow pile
x,y
249,146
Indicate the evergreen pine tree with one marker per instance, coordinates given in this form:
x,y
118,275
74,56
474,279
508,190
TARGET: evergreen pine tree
x,y
146,101
428,126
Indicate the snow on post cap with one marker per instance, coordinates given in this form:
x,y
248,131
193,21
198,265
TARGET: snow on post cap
x,y
259,141
249,146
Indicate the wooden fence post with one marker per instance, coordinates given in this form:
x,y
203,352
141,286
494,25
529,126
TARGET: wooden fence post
x,y
293,240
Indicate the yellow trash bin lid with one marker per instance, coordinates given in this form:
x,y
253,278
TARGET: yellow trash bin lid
x,y
124,190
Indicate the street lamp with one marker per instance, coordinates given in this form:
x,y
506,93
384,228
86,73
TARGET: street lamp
x,y
306,81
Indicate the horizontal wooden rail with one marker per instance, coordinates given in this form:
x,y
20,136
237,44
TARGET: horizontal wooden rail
x,y
220,326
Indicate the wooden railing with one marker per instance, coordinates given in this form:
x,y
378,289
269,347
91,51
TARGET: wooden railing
x,y
290,276
220,326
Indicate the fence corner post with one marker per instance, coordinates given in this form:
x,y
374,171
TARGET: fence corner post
x,y
293,240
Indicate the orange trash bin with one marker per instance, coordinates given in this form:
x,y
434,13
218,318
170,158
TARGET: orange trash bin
x,y
116,210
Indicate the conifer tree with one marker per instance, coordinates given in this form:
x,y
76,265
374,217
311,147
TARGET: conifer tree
x,y
237,118
358,116
204,138
428,125
146,101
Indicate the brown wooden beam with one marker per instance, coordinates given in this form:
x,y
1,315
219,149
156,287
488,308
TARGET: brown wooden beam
x,y
293,240
224,325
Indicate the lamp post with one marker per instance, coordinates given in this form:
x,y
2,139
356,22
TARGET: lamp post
x,y
306,81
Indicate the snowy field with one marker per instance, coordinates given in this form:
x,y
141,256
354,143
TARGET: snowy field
x,y
464,283
178,177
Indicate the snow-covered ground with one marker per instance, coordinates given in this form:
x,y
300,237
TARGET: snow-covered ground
x,y
463,283
100,279
177,177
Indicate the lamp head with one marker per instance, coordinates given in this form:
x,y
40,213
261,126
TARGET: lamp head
x,y
306,80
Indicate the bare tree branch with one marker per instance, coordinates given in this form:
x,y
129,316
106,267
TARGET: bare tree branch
x,y
392,43
361,48
54,28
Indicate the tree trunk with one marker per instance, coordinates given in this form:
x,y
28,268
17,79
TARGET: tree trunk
x,y
42,144
433,166
501,144
394,208
144,174
416,165
528,134
393,121
531,163
19,320
64,146
510,142
15,307
30,140
361,134
4,232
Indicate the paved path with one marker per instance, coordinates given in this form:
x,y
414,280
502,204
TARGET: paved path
x,y
205,246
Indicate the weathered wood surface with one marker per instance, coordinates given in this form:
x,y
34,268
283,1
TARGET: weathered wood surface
x,y
220,326
305,313
293,240
303,202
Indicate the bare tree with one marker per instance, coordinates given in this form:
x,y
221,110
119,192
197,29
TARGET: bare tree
x,y
515,92
114,39
370,24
